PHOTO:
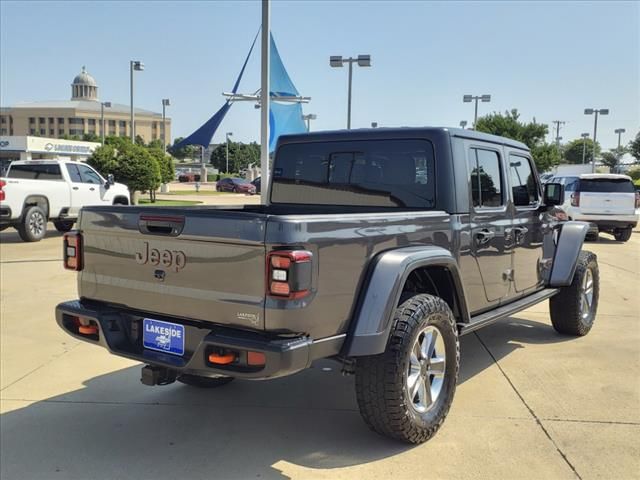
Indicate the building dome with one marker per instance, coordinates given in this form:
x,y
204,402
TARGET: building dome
x,y
84,87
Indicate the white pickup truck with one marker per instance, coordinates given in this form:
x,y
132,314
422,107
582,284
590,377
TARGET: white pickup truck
x,y
36,191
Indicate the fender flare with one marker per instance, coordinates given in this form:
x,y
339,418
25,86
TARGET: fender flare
x,y
37,200
372,321
570,240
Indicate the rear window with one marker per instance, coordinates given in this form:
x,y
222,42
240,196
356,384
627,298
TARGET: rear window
x,y
606,185
375,173
49,171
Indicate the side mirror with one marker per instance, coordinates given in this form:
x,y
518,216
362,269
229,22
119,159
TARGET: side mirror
x,y
110,179
553,194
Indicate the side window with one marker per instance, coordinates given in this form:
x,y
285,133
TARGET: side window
x,y
571,184
523,181
486,180
88,175
74,174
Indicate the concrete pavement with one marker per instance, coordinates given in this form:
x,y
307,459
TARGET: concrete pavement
x,y
530,403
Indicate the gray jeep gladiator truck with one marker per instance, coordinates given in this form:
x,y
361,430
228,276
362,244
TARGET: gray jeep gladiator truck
x,y
378,248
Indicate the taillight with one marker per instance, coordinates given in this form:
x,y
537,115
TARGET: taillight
x,y
575,199
289,273
72,251
2,192
637,199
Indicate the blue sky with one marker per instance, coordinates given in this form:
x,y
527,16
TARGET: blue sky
x,y
548,59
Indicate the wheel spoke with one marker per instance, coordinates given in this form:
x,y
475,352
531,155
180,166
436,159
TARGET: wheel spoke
x,y
414,381
424,393
436,367
587,302
429,344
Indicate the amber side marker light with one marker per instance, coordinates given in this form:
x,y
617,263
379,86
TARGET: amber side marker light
x,y
222,358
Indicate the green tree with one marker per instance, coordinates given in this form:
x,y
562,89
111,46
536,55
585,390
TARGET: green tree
x,y
612,158
634,147
140,140
531,134
241,155
184,152
157,143
91,137
104,160
572,151
137,169
165,162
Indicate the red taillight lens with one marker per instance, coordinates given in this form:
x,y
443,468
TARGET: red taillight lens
x,y
72,251
289,273
637,199
2,192
575,199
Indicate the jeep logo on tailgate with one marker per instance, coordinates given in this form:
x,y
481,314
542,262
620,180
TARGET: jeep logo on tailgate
x,y
174,259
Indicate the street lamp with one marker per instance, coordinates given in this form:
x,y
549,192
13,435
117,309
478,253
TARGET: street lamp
x,y
463,123
103,105
308,118
470,98
374,124
138,66
584,146
619,131
165,104
592,111
229,134
337,61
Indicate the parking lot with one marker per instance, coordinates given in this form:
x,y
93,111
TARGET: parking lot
x,y
530,403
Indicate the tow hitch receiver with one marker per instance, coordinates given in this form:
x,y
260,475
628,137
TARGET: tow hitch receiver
x,y
153,375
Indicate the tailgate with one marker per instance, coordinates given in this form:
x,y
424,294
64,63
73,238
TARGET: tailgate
x,y
201,263
607,203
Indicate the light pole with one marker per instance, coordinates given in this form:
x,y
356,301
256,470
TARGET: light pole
x,y
374,124
463,123
102,107
592,111
137,66
337,61
308,118
619,131
470,98
229,134
165,103
584,146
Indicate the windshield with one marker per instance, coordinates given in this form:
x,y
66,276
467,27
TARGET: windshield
x,y
606,185
390,173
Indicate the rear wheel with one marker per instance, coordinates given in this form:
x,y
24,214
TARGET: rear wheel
x,y
63,226
623,235
34,225
573,310
405,392
204,382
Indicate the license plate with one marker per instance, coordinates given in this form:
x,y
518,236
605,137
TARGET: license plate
x,y
163,336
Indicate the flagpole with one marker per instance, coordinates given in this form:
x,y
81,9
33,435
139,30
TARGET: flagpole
x,y
264,104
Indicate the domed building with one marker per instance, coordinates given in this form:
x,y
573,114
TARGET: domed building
x,y
82,116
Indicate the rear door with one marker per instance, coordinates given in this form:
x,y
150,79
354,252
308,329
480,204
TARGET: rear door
x,y
196,263
81,193
607,196
527,232
490,220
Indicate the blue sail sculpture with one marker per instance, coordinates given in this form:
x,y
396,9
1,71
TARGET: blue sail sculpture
x,y
284,117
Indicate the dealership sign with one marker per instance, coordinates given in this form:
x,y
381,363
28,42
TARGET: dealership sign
x,y
47,145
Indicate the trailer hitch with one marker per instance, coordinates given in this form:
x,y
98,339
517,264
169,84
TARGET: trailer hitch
x,y
153,375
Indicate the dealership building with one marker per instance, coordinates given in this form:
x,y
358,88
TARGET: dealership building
x,y
81,115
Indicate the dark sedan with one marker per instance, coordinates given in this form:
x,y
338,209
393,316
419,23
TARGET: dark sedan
x,y
235,185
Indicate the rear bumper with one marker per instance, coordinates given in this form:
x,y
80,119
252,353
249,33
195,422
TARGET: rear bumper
x,y
120,332
5,215
608,221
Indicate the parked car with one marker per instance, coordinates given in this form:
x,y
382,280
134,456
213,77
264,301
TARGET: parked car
x,y
189,177
353,258
235,185
606,201
256,183
36,191
545,177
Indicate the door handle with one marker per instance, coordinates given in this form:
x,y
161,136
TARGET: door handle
x,y
75,188
483,236
92,189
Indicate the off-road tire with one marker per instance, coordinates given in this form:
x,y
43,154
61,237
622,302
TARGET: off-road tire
x,y
623,235
33,227
564,307
63,226
204,382
380,379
